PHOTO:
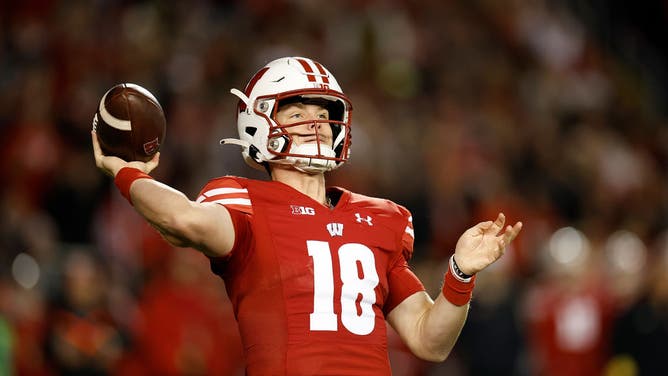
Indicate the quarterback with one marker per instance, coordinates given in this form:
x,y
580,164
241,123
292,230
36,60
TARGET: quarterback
x,y
314,272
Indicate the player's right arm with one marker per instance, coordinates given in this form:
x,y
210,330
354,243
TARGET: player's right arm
x,y
204,226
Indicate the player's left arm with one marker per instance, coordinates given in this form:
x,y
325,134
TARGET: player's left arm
x,y
431,328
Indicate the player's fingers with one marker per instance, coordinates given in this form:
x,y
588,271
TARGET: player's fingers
x,y
517,228
101,161
97,150
504,239
500,221
96,144
480,228
493,227
153,163
512,232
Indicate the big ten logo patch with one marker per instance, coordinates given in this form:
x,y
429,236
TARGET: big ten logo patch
x,y
302,210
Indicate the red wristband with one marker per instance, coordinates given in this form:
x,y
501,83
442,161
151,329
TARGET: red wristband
x,y
124,179
456,291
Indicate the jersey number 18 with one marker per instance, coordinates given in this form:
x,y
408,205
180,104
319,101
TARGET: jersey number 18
x,y
350,256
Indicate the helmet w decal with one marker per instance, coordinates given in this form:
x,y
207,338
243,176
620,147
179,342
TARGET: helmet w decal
x,y
264,140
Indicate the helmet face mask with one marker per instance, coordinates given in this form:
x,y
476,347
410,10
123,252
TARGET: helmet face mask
x,y
284,81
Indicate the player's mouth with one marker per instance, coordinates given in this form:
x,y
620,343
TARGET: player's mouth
x,y
311,138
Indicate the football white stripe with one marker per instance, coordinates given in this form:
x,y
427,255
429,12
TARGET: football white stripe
x,y
224,191
120,124
142,90
410,232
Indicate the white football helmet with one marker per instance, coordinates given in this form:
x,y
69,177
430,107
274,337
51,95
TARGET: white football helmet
x,y
264,140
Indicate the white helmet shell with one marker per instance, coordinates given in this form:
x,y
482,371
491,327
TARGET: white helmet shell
x,y
264,140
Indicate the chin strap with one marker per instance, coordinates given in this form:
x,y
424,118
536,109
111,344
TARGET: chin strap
x,y
252,151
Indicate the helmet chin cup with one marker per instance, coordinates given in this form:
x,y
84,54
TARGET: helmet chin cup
x,y
300,159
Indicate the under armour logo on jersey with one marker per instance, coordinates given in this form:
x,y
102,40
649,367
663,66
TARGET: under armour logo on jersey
x,y
302,210
335,229
359,219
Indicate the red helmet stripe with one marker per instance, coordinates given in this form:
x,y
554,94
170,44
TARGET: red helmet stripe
x,y
308,69
251,85
322,71
254,80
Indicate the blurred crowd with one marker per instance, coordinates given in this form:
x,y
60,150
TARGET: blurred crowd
x,y
461,109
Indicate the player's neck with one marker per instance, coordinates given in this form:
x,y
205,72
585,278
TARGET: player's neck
x,y
312,185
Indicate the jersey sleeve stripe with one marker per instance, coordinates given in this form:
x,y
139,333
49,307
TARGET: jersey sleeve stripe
x,y
218,193
230,196
226,201
409,228
229,192
233,201
224,191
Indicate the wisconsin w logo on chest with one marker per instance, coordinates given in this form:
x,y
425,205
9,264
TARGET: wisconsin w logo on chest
x,y
335,229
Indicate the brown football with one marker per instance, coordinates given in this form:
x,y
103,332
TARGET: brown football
x,y
130,123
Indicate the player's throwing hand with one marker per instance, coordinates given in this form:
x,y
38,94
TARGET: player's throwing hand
x,y
110,165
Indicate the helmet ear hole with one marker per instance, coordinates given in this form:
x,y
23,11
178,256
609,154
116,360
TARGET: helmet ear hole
x,y
251,130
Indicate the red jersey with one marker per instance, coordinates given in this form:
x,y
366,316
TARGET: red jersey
x,y
311,285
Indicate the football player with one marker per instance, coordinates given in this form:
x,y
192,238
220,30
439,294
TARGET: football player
x,y
313,272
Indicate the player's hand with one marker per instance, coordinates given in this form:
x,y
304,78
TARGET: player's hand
x,y
484,243
110,165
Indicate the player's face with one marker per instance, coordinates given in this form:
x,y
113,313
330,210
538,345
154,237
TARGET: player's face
x,y
309,131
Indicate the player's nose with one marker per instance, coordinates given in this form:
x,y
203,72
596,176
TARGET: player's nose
x,y
313,122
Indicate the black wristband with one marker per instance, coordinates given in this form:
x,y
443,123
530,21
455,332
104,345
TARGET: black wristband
x,y
458,271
